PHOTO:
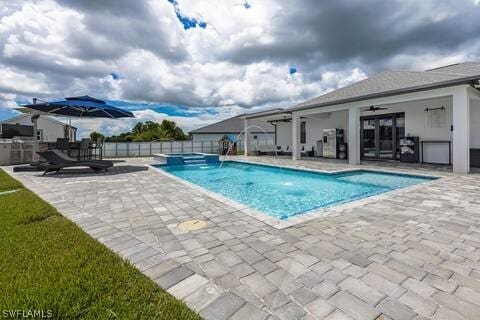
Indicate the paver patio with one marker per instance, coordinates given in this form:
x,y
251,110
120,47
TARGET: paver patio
x,y
410,255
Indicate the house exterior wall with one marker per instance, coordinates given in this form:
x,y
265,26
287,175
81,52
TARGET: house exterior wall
x,y
475,124
415,117
284,134
218,136
415,125
314,126
51,130
258,130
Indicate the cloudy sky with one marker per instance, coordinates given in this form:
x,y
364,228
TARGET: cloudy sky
x,y
198,61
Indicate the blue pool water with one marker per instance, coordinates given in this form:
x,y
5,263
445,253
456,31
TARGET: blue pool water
x,y
282,192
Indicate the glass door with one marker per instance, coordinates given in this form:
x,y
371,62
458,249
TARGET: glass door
x,y
368,138
385,137
380,136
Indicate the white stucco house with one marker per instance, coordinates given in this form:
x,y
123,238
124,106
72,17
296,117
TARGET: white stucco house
x,y
261,129
438,109
49,129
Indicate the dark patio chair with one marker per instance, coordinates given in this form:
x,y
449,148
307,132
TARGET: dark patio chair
x,y
56,161
63,144
84,149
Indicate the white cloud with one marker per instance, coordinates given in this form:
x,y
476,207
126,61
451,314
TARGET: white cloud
x,y
239,62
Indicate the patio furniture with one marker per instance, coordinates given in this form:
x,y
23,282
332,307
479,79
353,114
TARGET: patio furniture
x,y
56,161
307,153
83,106
63,145
409,149
266,150
84,149
96,150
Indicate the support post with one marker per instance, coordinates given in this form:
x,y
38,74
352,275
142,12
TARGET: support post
x,y
461,131
354,136
35,147
245,138
295,137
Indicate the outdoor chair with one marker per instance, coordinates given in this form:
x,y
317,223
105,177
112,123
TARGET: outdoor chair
x,y
63,144
84,149
56,161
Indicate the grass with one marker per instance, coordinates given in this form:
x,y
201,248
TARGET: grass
x,y
48,263
7,183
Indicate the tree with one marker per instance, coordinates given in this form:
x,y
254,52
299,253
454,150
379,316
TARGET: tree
x,y
94,136
149,131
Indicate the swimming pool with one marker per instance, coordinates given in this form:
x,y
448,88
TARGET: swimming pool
x,y
282,192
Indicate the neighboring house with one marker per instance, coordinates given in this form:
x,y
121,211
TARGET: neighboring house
x,y
440,107
49,129
261,130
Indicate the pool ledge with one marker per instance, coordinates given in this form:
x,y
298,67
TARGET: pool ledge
x,y
334,210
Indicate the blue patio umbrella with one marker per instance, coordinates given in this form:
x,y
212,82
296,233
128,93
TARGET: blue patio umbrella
x,y
82,106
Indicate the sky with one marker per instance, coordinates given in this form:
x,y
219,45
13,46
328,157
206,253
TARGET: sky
x,y
200,61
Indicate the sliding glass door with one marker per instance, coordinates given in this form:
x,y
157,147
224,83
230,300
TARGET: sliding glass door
x,y
385,137
380,136
368,138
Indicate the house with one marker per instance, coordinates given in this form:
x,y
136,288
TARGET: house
x,y
437,111
260,129
49,129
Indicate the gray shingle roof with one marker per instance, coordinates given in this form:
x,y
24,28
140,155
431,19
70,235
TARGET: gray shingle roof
x,y
231,125
396,82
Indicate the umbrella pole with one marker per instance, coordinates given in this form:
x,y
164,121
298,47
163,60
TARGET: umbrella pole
x,y
35,147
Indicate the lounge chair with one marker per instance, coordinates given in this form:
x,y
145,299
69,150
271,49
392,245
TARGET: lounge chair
x,y
57,160
266,150
285,151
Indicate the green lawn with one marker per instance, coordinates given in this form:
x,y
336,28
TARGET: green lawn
x,y
48,263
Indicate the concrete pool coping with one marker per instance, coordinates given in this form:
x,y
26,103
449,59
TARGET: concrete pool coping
x,y
309,215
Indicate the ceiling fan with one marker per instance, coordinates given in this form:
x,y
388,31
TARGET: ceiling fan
x,y
374,108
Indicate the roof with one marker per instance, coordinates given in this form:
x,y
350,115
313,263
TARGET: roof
x,y
20,116
231,125
234,124
397,82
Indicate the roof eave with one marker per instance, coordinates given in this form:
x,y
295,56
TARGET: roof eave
x,y
443,84
269,114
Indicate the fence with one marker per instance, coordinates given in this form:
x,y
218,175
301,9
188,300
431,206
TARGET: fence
x,y
147,149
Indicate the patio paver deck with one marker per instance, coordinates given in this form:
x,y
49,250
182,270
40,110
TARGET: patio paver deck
x,y
408,256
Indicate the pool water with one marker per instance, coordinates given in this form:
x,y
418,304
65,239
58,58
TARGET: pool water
x,y
282,192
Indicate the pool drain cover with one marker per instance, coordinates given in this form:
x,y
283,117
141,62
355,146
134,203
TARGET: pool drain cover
x,y
191,225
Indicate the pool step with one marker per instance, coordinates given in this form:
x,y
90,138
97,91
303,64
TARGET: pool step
x,y
194,160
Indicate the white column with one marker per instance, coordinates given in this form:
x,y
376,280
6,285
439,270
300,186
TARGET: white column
x,y
35,147
461,131
295,137
354,135
246,139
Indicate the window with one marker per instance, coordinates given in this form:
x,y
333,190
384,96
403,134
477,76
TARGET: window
x,y
303,132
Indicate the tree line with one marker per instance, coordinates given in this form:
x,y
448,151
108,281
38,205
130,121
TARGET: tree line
x,y
146,131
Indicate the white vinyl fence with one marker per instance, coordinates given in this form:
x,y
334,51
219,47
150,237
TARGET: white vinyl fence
x,y
147,149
